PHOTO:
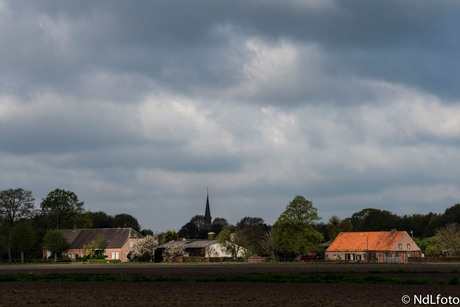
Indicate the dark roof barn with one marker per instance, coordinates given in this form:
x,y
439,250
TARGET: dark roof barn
x,y
116,237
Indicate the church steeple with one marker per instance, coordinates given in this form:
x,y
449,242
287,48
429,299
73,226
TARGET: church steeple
x,y
207,214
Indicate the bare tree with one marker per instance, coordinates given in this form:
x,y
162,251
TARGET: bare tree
x,y
15,204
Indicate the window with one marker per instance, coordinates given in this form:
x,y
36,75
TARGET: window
x,y
349,256
400,246
117,255
131,243
358,257
408,246
113,255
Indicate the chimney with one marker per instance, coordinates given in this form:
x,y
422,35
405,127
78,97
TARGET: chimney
x,y
211,235
74,228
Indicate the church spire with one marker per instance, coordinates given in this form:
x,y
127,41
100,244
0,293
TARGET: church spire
x,y
207,214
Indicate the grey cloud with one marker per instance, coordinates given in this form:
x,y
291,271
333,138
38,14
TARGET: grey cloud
x,y
175,44
139,106
70,130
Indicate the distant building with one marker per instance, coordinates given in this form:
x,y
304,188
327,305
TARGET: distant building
x,y
375,246
208,248
207,214
119,242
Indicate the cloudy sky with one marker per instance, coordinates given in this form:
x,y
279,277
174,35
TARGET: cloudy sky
x,y
139,106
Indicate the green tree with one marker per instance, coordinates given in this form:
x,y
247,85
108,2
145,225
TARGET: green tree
x,y
333,227
375,220
3,247
218,224
437,221
147,232
64,210
96,246
23,238
293,232
336,226
101,242
250,231
230,242
416,224
125,220
452,214
447,239
427,245
101,219
15,204
55,242
188,231
268,245
169,236
198,220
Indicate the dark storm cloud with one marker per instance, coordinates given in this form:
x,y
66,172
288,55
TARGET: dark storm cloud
x,y
58,46
61,128
178,44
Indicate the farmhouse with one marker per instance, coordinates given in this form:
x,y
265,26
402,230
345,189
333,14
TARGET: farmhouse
x,y
119,241
209,248
375,246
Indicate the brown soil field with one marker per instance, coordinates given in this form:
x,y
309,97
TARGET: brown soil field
x,y
191,293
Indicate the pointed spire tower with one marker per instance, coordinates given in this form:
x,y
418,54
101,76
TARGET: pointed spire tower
x,y
207,214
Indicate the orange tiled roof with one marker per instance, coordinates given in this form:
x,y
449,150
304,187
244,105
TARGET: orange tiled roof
x,y
357,241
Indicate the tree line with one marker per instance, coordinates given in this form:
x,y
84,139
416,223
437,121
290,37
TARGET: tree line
x,y
298,229
23,228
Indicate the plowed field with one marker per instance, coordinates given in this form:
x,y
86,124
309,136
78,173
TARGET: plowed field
x,y
215,285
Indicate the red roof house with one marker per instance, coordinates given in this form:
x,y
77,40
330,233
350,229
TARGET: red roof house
x,y
376,246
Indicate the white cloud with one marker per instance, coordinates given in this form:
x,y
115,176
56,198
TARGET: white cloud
x,y
281,69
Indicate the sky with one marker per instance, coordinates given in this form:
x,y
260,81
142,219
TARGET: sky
x,y
140,106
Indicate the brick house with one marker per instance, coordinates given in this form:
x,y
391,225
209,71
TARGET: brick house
x,y
119,241
375,246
